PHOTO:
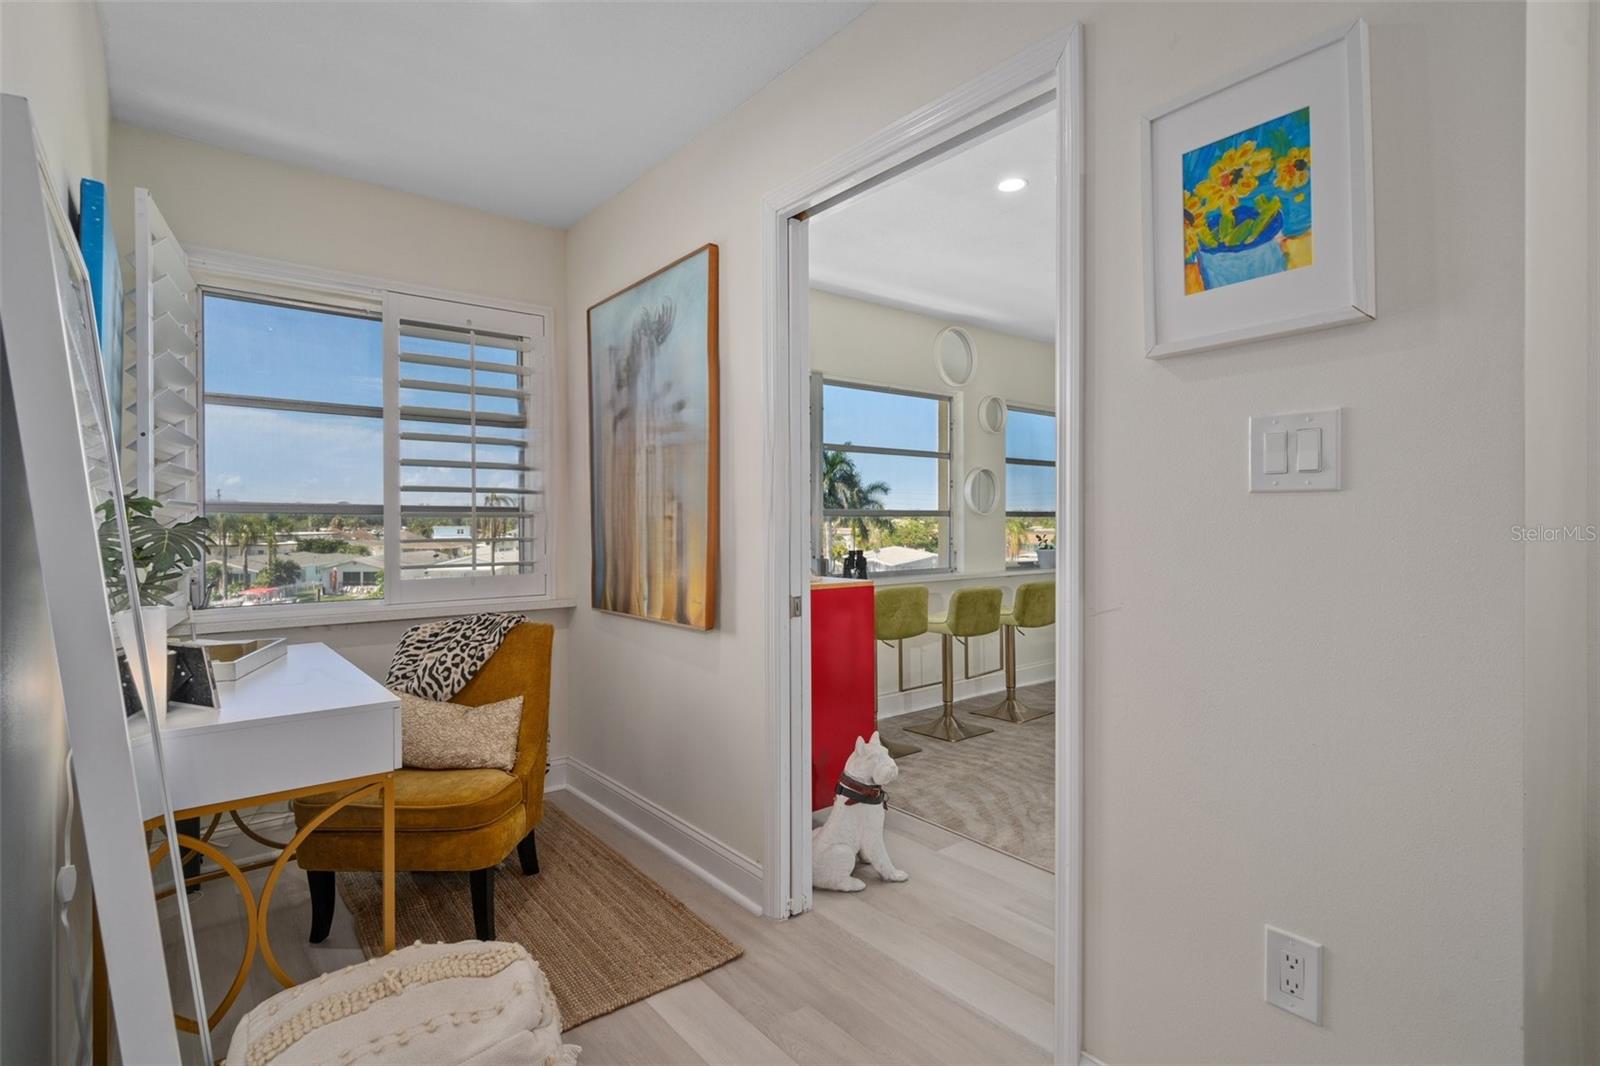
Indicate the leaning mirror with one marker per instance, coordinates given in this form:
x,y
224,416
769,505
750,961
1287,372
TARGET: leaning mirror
x,y
70,469
955,355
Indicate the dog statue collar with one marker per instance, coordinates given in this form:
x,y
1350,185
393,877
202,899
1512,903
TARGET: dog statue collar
x,y
855,792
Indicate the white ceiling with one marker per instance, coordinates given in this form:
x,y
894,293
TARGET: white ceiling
x,y
944,241
540,111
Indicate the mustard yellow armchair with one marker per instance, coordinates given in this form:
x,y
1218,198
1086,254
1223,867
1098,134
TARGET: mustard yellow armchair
x,y
449,819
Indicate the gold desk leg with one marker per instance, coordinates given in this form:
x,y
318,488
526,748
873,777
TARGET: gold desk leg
x,y
202,847
271,883
388,863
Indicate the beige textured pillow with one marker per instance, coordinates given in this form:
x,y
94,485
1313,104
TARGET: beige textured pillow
x,y
453,736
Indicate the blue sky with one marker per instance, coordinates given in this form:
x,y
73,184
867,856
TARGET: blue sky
x,y
259,349
267,350
892,420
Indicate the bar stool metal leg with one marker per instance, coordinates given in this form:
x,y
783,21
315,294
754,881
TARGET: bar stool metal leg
x,y
897,749
1012,709
946,726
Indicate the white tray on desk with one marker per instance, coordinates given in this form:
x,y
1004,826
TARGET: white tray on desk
x,y
308,718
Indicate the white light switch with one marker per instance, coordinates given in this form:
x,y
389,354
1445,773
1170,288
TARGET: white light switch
x,y
1296,452
1308,451
1275,452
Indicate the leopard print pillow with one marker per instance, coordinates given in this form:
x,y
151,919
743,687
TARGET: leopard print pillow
x,y
435,660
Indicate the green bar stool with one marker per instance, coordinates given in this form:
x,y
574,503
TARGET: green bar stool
x,y
901,612
973,612
1033,607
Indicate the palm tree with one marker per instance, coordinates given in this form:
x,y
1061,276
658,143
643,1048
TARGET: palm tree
x,y
1019,531
223,526
247,534
842,490
274,525
498,525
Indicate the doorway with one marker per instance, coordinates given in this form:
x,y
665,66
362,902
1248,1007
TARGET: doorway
x,y
1045,79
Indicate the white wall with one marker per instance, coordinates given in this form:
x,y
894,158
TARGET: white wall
x,y
234,202
1592,993
854,340
1305,710
1555,731
52,54
229,201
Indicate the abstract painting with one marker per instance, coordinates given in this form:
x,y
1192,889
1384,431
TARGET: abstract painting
x,y
1247,204
653,445
1243,237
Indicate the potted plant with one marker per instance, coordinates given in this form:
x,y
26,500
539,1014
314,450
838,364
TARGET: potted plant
x,y
162,557
1045,545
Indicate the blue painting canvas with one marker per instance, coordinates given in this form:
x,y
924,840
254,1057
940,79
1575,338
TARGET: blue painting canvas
x,y
1247,204
99,247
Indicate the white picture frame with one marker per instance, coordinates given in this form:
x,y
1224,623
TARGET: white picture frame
x,y
1313,99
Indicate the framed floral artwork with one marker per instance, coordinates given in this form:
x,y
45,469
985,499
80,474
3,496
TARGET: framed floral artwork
x,y
1258,201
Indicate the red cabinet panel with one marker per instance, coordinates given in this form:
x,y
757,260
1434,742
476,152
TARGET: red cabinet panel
x,y
844,679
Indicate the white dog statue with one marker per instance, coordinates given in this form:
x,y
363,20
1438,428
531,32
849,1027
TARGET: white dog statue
x,y
855,824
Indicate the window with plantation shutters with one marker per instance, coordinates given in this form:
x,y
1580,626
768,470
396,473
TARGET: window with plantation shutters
x,y
466,450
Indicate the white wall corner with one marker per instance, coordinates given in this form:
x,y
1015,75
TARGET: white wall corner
x,y
735,875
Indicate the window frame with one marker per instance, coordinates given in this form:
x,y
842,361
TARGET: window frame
x,y
821,515
263,403
536,397
277,282
1006,461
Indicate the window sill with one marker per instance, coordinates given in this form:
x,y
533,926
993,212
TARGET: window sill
x,y
243,619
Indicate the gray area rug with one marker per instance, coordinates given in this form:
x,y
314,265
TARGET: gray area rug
x,y
997,789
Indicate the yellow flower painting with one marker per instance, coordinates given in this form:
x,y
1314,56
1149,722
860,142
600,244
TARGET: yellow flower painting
x,y
1247,204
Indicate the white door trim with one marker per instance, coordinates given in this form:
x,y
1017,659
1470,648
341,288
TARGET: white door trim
x,y
1055,63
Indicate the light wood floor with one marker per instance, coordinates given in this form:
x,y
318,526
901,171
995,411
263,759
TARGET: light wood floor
x,y
953,966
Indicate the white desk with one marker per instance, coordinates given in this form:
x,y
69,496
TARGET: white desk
x,y
307,719
308,723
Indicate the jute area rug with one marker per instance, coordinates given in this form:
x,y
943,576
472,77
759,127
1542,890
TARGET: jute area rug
x,y
997,789
605,934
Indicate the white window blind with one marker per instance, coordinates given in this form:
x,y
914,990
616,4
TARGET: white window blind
x,y
466,450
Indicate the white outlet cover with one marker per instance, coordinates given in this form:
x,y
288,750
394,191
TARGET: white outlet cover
x,y
1325,479
1282,947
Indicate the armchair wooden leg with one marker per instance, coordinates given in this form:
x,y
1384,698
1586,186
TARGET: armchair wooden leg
x,y
322,895
528,852
483,902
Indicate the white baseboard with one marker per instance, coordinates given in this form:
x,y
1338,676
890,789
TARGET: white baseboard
x,y
735,875
1086,1059
894,704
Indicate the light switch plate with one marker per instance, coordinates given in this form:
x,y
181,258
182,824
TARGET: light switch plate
x,y
1265,457
1294,974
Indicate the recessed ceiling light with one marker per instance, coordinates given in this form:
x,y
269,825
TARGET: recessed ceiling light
x,y
1012,184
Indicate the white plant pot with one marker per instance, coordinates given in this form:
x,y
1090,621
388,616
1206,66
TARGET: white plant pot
x,y
1047,558
155,642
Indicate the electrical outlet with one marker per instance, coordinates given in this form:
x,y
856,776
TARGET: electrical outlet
x,y
1294,974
